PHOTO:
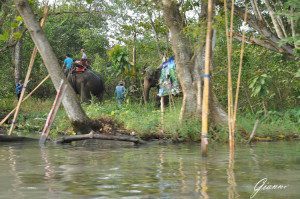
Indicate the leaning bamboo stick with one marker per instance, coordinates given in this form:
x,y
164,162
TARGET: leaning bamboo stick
x,y
9,114
33,55
253,131
239,74
53,111
205,105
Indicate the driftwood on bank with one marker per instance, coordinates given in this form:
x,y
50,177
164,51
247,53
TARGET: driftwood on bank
x,y
10,138
93,135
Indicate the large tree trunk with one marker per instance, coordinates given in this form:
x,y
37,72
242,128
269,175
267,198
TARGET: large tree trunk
x,y
183,57
17,59
188,68
77,116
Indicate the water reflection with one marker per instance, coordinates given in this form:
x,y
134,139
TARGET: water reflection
x,y
182,176
17,182
232,192
203,172
173,171
160,171
48,168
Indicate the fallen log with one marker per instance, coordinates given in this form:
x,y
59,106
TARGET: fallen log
x,y
9,138
93,135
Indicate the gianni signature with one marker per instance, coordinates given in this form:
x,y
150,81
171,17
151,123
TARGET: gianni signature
x,y
263,185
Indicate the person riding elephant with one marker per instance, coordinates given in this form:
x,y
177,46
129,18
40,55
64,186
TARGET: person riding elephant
x,y
87,83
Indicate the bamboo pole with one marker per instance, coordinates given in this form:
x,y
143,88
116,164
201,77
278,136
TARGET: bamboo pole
x,y
53,111
206,76
229,37
9,114
239,74
162,112
33,55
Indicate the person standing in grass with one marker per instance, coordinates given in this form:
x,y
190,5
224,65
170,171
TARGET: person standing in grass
x,y
19,87
120,93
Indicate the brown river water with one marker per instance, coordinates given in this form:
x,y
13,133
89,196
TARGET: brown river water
x,y
108,169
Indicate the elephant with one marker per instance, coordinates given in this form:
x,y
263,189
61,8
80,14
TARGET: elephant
x,y
151,79
164,78
87,83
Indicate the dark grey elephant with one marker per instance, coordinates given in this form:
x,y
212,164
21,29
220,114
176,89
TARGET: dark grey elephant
x,y
86,84
151,79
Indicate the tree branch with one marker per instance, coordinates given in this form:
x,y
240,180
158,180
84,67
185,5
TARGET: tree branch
x,y
261,42
274,20
260,27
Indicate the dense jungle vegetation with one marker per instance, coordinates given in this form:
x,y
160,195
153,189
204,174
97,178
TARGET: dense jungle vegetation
x,y
123,37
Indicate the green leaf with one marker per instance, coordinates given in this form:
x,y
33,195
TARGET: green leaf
x,y
257,90
297,73
119,58
19,18
17,35
4,36
14,25
253,82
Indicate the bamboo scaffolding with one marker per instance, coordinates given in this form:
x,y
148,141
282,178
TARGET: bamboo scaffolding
x,y
9,114
53,111
33,55
205,105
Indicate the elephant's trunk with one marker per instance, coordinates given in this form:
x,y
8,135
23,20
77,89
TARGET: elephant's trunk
x,y
146,91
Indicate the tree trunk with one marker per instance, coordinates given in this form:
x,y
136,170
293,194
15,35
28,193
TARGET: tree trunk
x,y
186,67
77,116
17,59
274,20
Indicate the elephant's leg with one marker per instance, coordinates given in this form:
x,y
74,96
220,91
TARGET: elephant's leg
x,y
83,93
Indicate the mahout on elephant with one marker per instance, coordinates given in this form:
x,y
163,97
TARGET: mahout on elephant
x,y
86,83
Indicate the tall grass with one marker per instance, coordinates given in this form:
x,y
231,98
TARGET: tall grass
x,y
145,120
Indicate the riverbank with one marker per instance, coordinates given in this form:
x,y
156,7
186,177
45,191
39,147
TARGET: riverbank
x,y
144,121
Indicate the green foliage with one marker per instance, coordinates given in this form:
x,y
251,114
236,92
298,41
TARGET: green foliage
x,y
258,85
274,124
119,58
